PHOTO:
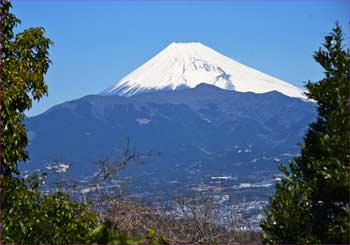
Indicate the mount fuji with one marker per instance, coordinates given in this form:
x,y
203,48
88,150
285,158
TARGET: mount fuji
x,y
186,65
208,117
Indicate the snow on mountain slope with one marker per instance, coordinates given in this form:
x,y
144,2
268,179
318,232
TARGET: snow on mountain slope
x,y
186,65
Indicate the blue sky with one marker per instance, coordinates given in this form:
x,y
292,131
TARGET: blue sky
x,y
99,42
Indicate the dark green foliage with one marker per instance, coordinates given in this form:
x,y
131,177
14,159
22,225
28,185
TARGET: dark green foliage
x,y
24,63
311,205
31,217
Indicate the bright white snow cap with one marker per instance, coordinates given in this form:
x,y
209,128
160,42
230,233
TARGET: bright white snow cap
x,y
190,64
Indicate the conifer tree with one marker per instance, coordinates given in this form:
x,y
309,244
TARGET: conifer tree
x,y
311,205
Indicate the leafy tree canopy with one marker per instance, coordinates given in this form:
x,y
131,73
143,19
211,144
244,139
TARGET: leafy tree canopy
x,y
25,61
29,216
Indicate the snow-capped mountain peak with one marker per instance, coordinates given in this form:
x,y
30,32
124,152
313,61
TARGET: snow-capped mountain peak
x,y
186,65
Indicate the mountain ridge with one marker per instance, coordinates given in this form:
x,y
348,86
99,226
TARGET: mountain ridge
x,y
167,96
199,133
204,110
